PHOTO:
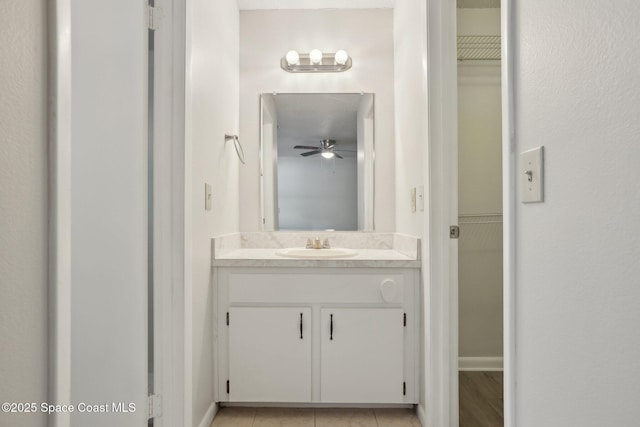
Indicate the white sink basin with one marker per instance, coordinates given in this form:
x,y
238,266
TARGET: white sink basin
x,y
316,253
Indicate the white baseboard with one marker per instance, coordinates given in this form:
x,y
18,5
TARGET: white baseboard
x,y
208,416
422,415
480,363
315,405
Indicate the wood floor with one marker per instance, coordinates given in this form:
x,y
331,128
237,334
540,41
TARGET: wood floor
x,y
481,405
481,401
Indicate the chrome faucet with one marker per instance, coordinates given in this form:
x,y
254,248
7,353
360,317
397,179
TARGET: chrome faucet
x,y
317,244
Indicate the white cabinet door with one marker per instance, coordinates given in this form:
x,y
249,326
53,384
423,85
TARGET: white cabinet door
x,y
362,355
269,354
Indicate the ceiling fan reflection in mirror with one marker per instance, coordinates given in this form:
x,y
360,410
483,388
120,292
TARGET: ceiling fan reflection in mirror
x,y
327,149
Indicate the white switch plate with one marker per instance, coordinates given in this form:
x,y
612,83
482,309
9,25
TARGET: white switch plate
x,y
207,197
420,197
531,175
413,199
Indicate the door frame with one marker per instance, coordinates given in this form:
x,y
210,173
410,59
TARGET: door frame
x,y
509,182
441,262
59,204
170,320
170,301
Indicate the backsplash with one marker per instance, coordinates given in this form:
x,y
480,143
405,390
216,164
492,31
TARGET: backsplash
x,y
407,245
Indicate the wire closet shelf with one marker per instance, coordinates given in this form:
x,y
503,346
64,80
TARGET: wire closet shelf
x,y
478,48
480,218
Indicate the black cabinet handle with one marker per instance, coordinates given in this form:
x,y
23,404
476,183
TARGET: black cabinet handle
x,y
300,325
331,327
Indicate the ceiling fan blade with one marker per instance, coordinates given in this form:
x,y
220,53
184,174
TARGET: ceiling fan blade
x,y
345,151
338,155
305,147
310,153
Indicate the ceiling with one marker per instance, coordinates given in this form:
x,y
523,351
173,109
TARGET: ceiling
x,y
314,4
303,120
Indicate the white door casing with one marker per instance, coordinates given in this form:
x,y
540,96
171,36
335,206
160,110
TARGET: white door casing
x,y
441,261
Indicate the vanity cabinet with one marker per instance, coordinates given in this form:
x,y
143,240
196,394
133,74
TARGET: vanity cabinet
x,y
316,335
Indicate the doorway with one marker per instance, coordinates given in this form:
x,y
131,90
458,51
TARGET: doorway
x,y
480,251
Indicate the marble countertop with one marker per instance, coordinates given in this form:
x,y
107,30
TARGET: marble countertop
x,y
258,249
378,258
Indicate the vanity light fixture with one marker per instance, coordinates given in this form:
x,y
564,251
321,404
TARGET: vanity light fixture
x,y
341,57
315,56
316,62
292,58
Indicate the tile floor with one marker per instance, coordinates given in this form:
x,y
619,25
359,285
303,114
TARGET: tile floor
x,y
309,417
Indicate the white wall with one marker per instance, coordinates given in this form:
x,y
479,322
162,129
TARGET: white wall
x,y
474,22
577,92
411,110
480,192
23,207
316,194
212,111
411,135
265,36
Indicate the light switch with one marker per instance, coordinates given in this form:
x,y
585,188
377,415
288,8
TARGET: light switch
x,y
207,197
420,198
413,199
531,175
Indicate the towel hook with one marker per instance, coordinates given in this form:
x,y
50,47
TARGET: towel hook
x,y
237,145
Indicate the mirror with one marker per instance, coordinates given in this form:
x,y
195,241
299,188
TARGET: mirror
x,y
317,155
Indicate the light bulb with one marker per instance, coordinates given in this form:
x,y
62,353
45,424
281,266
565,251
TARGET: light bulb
x,y
315,56
327,154
341,57
292,57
